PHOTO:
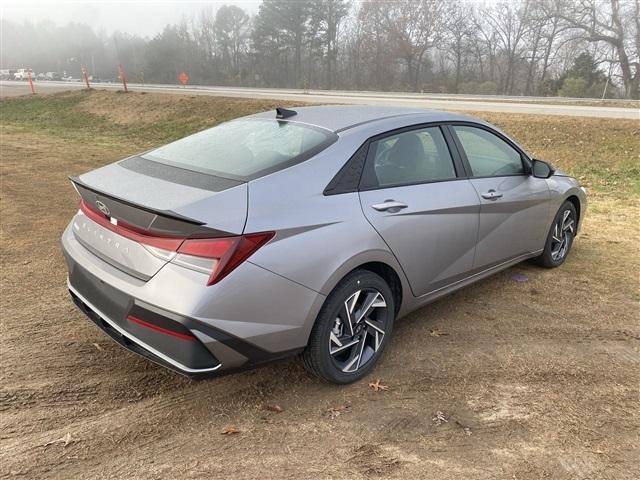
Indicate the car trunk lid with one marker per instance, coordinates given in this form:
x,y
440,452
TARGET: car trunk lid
x,y
134,215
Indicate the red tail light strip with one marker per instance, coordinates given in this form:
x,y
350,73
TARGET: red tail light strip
x,y
166,243
156,328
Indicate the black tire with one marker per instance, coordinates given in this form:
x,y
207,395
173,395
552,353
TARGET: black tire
x,y
549,258
317,358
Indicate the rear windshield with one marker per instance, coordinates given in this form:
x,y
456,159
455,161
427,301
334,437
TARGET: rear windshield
x,y
245,149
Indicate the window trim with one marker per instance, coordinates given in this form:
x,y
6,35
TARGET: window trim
x,y
458,155
524,158
458,167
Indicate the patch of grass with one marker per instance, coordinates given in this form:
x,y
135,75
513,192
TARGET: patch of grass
x,y
135,118
52,112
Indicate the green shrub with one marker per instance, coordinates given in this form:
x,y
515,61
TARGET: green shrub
x,y
476,88
573,87
488,88
468,87
595,90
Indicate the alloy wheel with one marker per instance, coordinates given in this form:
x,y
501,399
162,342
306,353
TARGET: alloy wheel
x,y
563,232
358,330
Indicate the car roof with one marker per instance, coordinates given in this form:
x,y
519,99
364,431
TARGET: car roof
x,y
338,118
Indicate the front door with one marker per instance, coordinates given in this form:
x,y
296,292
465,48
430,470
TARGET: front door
x,y
514,205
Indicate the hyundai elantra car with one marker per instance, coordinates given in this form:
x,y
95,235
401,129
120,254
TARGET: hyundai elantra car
x,y
306,232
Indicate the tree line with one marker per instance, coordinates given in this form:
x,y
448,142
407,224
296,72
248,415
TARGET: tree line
x,y
516,47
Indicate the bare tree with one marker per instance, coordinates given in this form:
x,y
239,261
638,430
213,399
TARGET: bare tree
x,y
458,29
376,57
330,13
616,23
414,27
510,22
486,43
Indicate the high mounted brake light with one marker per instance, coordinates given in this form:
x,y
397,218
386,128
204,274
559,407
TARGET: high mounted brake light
x,y
217,257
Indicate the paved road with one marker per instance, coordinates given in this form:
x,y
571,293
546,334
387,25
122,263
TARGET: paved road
x,y
443,102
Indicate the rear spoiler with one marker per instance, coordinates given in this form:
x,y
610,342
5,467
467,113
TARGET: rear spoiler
x,y
79,185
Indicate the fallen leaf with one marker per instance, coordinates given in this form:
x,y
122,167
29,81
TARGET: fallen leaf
x,y
66,440
97,346
440,418
272,408
230,430
436,332
334,412
377,386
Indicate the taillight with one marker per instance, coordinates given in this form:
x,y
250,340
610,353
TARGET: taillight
x,y
219,256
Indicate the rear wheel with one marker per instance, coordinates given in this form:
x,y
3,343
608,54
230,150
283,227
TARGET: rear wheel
x,y
560,237
352,329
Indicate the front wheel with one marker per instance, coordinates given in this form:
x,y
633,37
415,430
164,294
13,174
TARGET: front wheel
x,y
352,329
560,238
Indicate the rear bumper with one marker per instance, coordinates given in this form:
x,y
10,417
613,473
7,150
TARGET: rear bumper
x,y
251,317
134,344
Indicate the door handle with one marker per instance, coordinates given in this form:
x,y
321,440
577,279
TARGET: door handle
x,y
390,205
491,195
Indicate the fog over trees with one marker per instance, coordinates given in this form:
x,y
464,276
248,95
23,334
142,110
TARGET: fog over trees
x,y
517,47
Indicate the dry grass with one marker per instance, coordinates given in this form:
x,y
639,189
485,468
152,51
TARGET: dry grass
x,y
536,380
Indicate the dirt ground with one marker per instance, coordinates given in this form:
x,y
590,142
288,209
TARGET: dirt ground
x,y
504,379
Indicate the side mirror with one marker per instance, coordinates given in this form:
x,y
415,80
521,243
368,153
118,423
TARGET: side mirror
x,y
541,169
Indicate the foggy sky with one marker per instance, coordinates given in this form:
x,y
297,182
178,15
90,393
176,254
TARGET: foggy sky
x,y
144,18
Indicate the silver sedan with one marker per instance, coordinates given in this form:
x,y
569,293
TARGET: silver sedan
x,y
307,231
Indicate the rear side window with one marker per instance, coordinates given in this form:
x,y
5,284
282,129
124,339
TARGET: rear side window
x,y
488,154
416,156
245,149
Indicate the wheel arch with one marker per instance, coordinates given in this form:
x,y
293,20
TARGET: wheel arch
x,y
577,205
381,263
390,276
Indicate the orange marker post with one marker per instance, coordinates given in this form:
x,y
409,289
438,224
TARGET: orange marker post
x,y
33,90
122,77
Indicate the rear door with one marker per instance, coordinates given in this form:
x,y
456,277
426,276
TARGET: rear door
x,y
514,204
412,195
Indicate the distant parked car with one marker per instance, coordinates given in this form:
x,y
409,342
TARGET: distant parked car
x,y
22,74
306,231
7,74
52,76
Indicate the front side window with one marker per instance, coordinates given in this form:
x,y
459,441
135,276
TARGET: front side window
x,y
488,155
416,156
244,149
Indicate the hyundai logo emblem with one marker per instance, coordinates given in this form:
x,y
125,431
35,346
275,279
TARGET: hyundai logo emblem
x,y
103,208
